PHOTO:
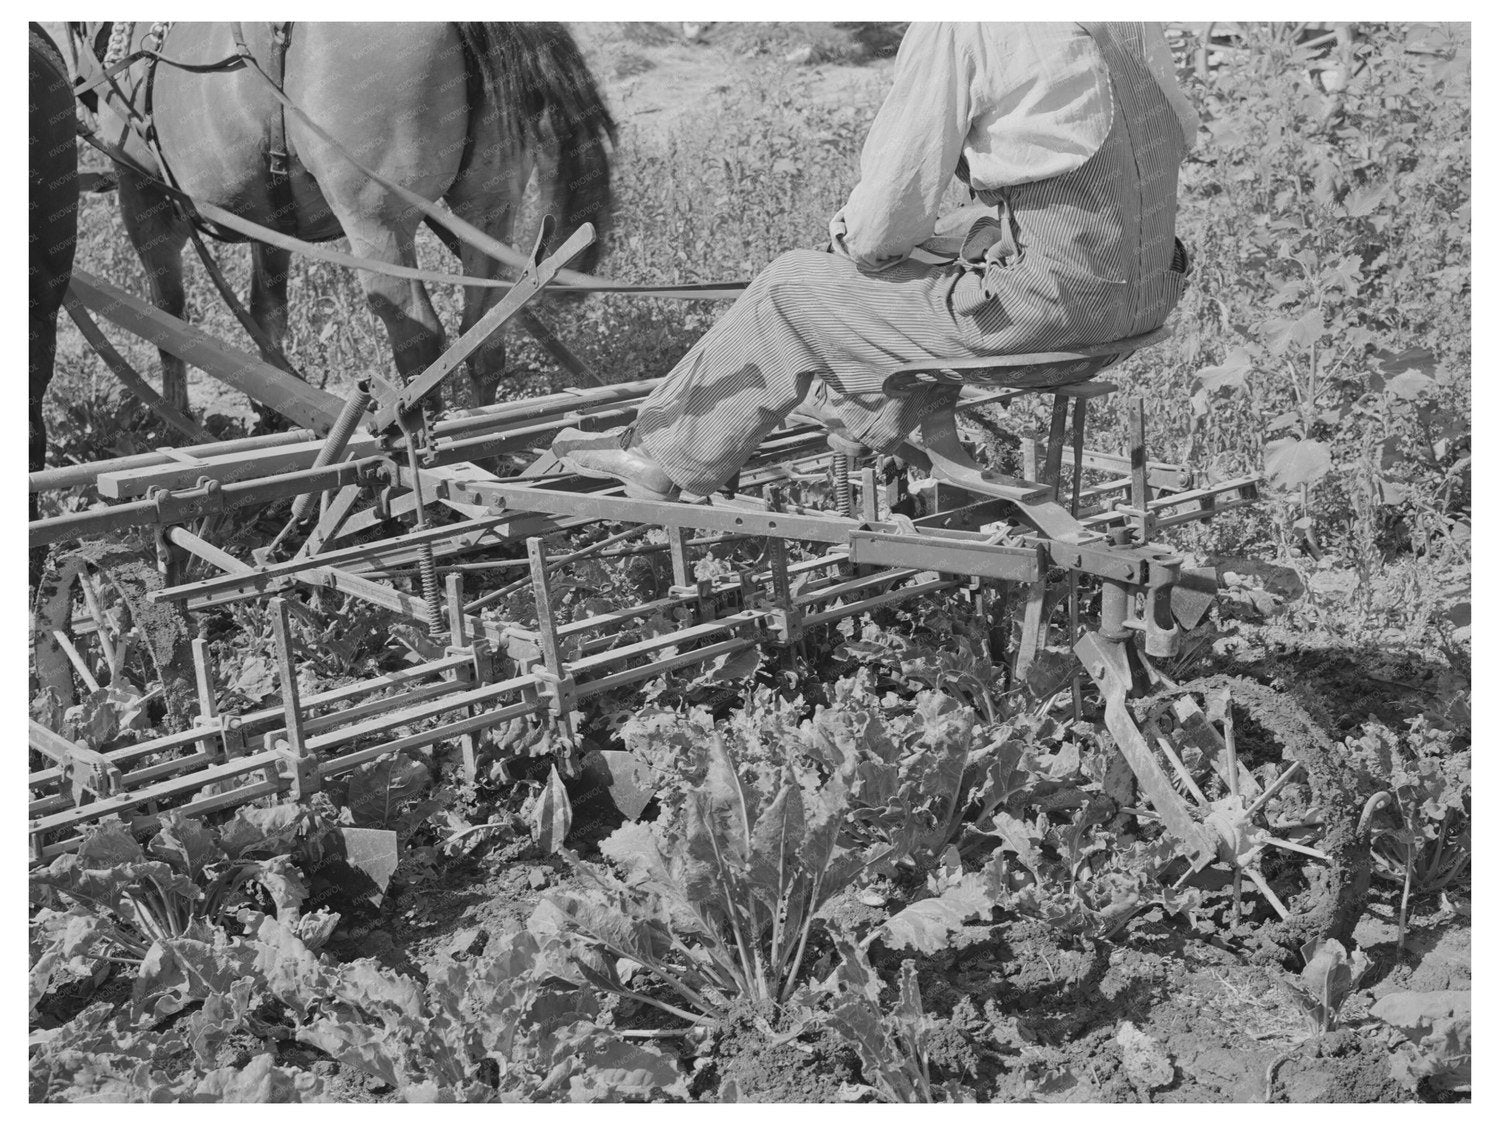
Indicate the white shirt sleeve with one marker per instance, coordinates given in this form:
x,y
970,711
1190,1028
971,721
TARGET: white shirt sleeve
x,y
912,150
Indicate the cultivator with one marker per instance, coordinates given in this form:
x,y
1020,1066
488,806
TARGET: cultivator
x,y
1064,558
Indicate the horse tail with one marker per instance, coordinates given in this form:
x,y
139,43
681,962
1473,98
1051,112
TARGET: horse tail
x,y
538,76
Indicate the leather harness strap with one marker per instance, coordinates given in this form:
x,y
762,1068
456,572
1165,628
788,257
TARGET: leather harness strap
x,y
247,229
284,206
228,227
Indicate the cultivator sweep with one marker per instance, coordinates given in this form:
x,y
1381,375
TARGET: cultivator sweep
x,y
1064,559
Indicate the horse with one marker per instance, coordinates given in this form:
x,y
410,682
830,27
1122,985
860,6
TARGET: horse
x,y
52,151
461,112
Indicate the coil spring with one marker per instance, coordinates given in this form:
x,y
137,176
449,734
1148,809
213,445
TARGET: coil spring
x,y
335,443
842,493
431,594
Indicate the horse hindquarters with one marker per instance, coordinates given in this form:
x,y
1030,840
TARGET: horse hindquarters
x,y
535,104
405,119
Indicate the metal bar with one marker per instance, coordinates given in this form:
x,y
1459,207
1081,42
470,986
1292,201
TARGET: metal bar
x,y
286,394
174,507
1159,474
506,442
869,496
458,641
101,630
1140,493
656,668
286,664
1052,474
182,537
1032,626
1106,662
133,380
1080,410
250,465
208,702
743,619
618,616
330,521
573,403
527,286
1193,727
1176,763
327,558
1095,491
124,802
93,770
558,350
71,476
947,553
452,702
838,590
260,761
441,733
273,718
878,600
546,623
682,571
1176,499
504,532
620,508
356,586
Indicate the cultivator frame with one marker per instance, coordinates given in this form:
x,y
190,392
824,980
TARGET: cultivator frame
x,y
879,541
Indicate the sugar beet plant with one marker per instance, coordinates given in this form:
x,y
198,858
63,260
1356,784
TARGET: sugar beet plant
x,y
720,909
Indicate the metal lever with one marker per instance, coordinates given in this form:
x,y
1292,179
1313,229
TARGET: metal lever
x,y
951,464
532,281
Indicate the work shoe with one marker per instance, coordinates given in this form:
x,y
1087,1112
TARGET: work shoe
x,y
612,454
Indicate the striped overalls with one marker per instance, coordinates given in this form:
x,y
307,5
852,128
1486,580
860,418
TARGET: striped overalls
x,y
1082,258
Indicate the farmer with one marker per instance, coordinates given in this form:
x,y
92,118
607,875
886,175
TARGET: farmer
x,y
1069,137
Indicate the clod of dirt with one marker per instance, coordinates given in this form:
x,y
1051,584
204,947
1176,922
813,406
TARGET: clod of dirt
x,y
1146,1065
1342,1066
469,942
752,1068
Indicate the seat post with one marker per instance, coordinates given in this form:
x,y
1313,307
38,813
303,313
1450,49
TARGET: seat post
x,y
1052,473
1080,410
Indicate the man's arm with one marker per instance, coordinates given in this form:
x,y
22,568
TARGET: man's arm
x,y
912,150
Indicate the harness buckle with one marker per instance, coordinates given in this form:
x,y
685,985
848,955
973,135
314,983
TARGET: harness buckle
x,y
278,163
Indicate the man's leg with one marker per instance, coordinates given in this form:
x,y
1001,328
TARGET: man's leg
x,y
808,315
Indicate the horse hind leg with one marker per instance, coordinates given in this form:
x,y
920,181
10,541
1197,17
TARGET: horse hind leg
x,y
268,303
485,202
411,323
158,236
270,266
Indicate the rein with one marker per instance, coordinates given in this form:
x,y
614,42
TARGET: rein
x,y
571,280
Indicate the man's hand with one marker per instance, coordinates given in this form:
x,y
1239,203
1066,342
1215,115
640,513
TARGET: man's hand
x,y
837,229
952,229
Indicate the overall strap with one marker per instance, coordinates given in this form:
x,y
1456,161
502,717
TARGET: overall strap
x,y
1151,125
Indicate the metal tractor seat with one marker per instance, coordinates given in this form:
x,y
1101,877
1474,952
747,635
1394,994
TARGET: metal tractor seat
x,y
1065,375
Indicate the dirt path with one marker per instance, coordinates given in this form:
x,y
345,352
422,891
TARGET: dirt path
x,y
653,77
